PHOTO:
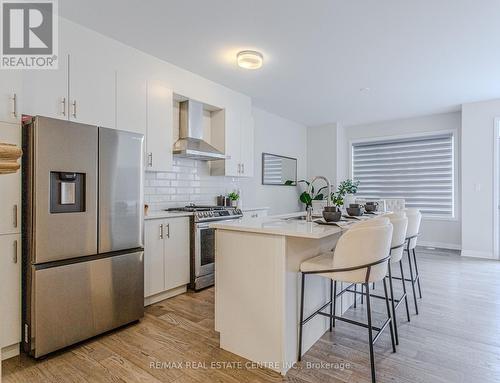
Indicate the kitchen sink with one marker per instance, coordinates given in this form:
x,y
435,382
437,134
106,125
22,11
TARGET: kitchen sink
x,y
300,218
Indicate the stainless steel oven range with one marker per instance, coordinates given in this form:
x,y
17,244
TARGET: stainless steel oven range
x,y
203,241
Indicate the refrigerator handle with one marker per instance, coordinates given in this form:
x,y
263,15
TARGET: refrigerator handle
x,y
150,159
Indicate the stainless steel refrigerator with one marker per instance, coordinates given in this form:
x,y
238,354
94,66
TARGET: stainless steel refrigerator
x,y
82,232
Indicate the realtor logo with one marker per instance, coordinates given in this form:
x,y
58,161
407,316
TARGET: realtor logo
x,y
29,34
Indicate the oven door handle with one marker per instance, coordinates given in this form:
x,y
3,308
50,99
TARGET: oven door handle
x,y
202,225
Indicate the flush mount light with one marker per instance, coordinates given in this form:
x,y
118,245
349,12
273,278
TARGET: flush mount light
x,y
250,59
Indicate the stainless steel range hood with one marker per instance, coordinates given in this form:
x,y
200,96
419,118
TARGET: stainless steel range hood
x,y
190,143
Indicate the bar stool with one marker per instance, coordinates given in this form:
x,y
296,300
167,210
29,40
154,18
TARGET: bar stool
x,y
414,219
361,256
399,223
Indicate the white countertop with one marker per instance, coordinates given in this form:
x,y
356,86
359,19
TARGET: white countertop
x,y
279,225
166,214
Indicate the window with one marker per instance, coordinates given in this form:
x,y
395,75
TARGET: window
x,y
420,170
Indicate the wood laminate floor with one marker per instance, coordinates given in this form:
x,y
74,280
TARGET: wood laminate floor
x,y
456,338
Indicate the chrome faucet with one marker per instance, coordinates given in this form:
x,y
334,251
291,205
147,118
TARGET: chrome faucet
x,y
309,190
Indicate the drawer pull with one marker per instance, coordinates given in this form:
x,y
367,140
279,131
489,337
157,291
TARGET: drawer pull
x,y
14,256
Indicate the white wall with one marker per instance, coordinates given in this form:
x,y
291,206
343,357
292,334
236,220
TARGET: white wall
x,y
442,233
322,151
276,135
477,177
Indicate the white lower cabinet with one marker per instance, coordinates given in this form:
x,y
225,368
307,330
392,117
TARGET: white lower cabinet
x,y
166,255
10,286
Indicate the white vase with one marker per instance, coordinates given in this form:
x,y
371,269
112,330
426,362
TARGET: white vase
x,y
348,199
318,206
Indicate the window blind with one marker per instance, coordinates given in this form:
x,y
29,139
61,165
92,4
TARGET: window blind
x,y
419,170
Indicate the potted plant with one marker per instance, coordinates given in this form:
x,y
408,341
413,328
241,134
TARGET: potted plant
x,y
333,213
234,197
346,191
308,199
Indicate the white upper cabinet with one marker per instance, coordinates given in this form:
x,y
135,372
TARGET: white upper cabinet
x,y
45,92
131,98
237,139
159,130
91,90
247,146
11,84
10,186
232,143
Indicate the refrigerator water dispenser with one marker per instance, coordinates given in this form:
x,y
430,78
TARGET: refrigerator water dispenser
x,y
67,192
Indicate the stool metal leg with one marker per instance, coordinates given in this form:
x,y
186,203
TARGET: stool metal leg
x,y
417,274
394,321
370,331
301,314
412,281
389,315
355,295
331,304
362,290
404,288
334,302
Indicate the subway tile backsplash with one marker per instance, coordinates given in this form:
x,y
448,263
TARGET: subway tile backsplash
x,y
189,181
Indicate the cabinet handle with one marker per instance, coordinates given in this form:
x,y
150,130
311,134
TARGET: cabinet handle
x,y
243,168
74,108
168,230
63,105
14,257
14,105
239,168
161,231
150,159
14,213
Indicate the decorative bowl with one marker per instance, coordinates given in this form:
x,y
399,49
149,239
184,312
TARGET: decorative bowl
x,y
332,216
355,211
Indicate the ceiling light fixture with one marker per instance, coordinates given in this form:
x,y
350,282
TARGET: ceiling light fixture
x,y
250,59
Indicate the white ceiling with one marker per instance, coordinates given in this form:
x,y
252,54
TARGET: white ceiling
x,y
416,56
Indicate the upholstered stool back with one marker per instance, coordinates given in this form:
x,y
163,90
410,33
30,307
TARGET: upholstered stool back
x,y
399,226
362,244
414,219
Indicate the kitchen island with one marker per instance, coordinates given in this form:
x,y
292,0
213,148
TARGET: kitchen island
x,y
257,287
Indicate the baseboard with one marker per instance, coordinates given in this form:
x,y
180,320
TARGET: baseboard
x,y
10,351
164,295
440,245
478,254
